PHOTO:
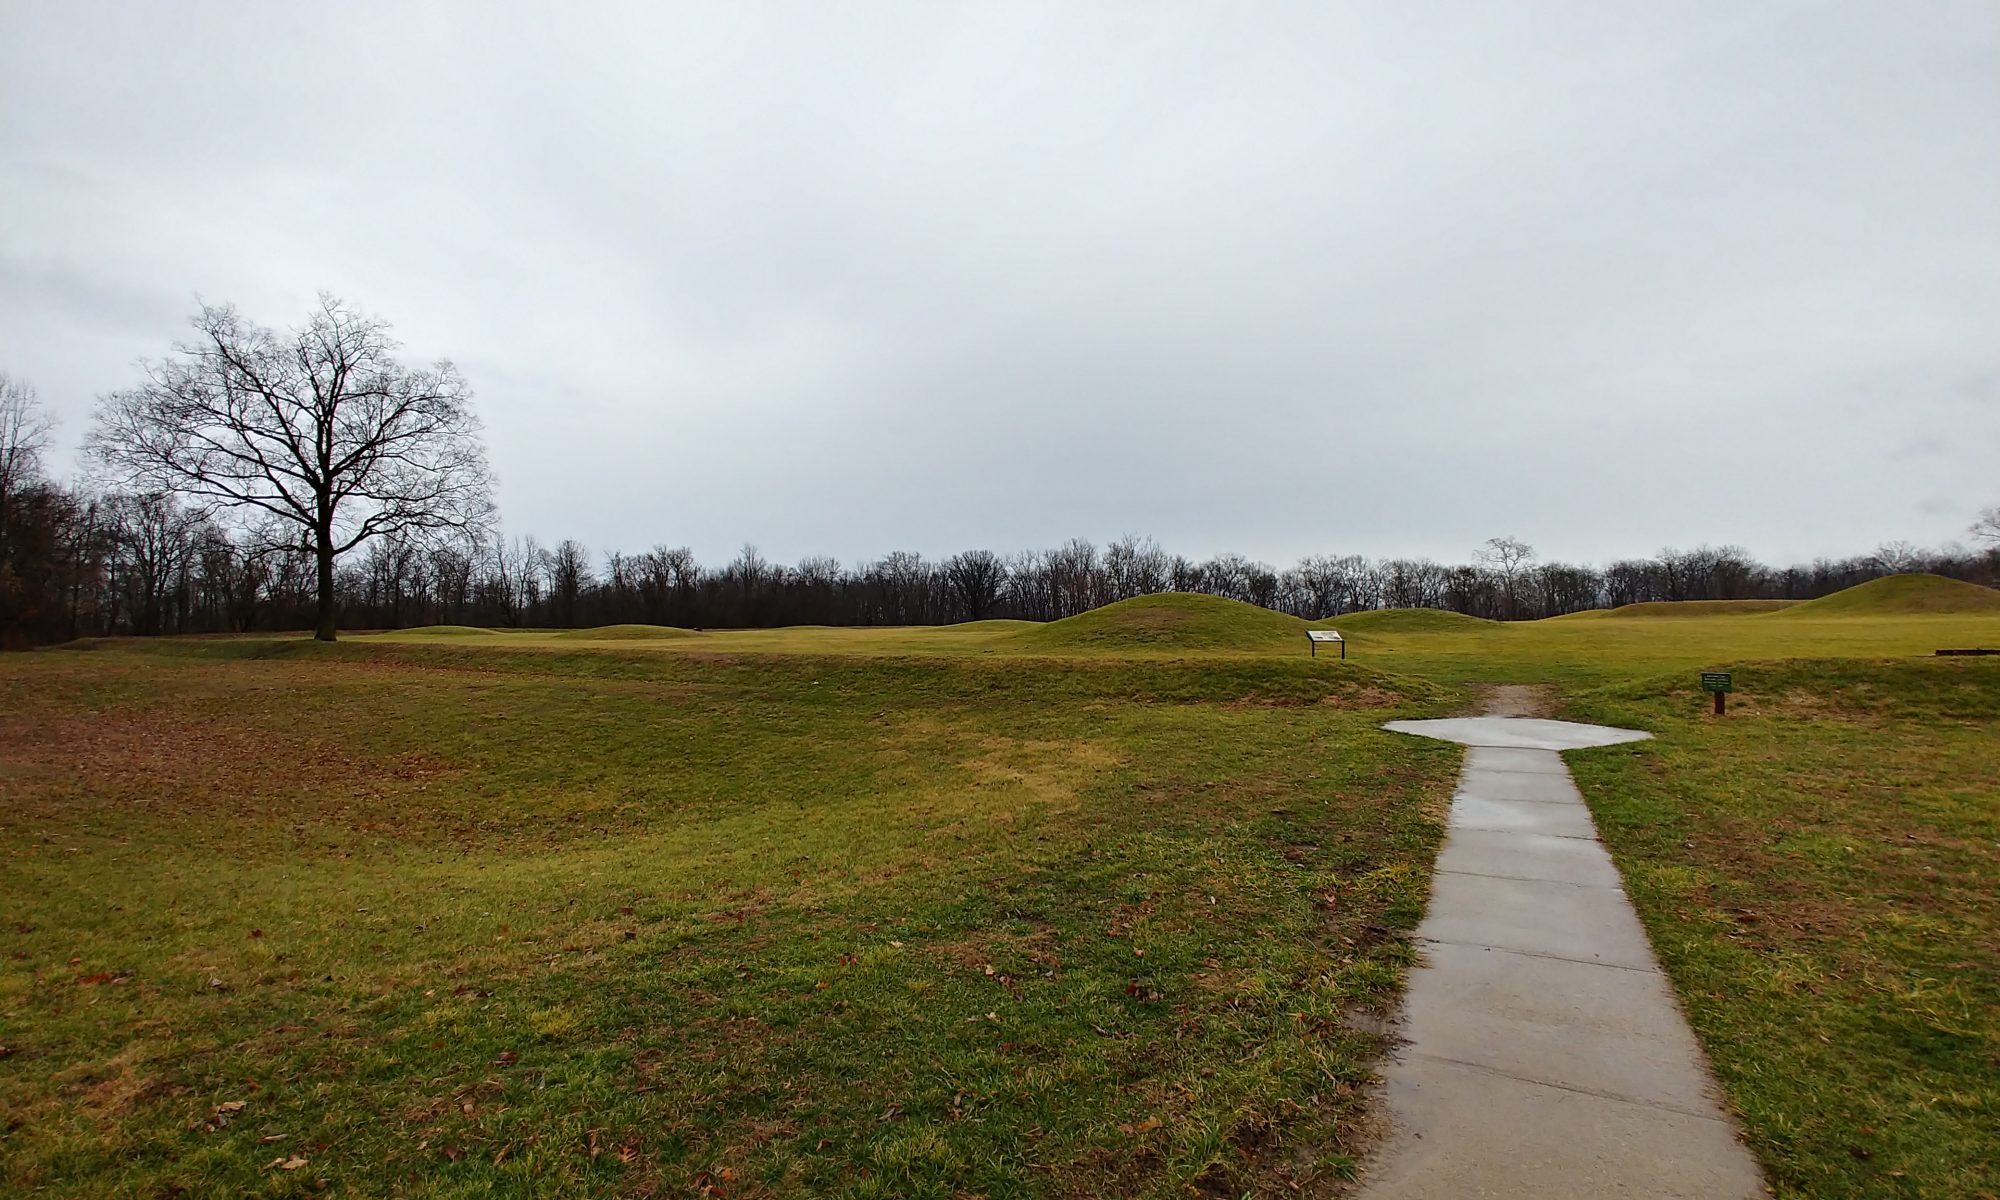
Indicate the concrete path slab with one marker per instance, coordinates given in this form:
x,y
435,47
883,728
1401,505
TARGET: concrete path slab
x,y
1522,816
1514,758
1567,1024
1522,785
1529,733
1534,1141
1527,856
1545,1053
1533,916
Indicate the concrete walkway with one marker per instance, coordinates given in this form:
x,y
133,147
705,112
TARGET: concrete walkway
x,y
1545,1055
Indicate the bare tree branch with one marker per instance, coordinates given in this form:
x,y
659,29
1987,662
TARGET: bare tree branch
x,y
321,427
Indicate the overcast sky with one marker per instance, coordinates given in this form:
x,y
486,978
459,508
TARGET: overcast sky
x,y
1384,278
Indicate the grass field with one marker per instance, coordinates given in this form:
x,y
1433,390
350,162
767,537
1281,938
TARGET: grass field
x,y
1819,872
459,921
993,910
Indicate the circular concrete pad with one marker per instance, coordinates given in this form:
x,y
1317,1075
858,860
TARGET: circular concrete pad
x,y
1528,733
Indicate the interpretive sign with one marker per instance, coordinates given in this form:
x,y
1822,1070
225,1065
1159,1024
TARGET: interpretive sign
x,y
1718,684
1315,636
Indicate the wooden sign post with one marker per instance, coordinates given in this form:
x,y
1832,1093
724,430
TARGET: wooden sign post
x,y
1315,636
1718,684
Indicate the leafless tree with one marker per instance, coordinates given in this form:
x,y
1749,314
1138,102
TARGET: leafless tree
x,y
904,585
155,539
568,570
1987,527
1230,575
451,567
1899,557
1507,557
24,438
321,427
1564,588
1076,581
976,578
1412,583
1134,566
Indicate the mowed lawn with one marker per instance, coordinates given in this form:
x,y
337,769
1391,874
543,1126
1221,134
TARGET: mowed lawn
x,y
444,920
1819,870
1820,873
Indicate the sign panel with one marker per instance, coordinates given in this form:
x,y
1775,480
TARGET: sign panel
x,y
1325,635
1717,682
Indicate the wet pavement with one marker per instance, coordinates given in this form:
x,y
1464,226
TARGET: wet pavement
x,y
1545,1055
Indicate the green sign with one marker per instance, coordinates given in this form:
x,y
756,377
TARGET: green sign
x,y
1717,681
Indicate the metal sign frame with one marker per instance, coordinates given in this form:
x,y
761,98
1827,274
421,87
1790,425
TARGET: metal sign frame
x,y
1315,636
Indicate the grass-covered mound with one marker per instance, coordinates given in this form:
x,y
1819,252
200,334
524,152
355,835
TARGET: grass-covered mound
x,y
625,633
443,631
992,625
1169,621
1683,608
1404,620
1902,594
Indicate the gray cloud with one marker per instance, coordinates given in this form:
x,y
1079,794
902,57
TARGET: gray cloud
x,y
1369,278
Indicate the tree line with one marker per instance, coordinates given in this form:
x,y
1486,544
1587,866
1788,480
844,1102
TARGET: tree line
x,y
263,481
76,564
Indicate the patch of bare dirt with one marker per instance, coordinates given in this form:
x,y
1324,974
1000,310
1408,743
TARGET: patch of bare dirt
x,y
1515,700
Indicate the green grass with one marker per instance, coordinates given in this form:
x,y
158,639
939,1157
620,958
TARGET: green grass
x,y
448,910
1903,594
1576,654
515,916
1681,608
1566,651
625,633
1818,871
1406,620
1176,622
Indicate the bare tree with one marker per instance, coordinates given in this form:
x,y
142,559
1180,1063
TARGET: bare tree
x,y
1507,557
1412,583
1987,527
568,569
24,438
1899,557
452,567
320,427
155,538
976,578
1133,566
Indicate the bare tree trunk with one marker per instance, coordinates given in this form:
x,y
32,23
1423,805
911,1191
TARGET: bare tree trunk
x,y
323,551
